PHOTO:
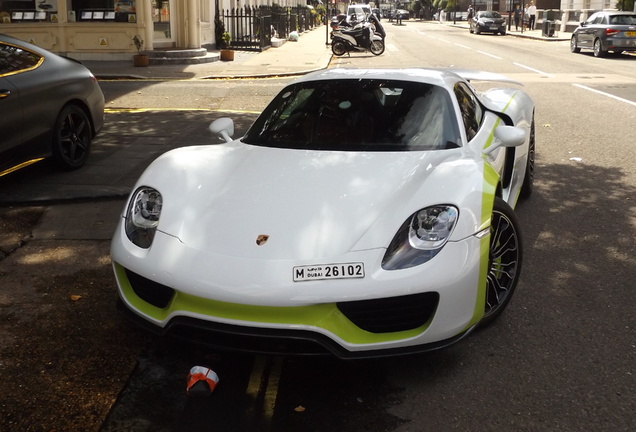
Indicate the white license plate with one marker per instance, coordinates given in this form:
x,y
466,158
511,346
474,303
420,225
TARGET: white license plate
x,y
329,271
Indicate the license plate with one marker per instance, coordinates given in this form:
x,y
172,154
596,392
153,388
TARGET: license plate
x,y
329,271
630,33
494,28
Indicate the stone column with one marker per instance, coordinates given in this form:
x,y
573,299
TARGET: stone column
x,y
144,20
193,24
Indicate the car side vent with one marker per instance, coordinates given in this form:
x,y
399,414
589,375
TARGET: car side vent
x,y
149,291
391,314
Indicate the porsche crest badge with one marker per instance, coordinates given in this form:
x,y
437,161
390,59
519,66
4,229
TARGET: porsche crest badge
x,y
262,239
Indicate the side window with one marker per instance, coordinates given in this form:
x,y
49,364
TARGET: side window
x,y
471,109
14,59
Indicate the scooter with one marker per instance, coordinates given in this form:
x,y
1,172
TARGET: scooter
x,y
366,36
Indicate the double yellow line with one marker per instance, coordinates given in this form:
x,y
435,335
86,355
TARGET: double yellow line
x,y
262,390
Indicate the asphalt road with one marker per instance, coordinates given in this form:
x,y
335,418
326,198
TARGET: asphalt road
x,y
562,357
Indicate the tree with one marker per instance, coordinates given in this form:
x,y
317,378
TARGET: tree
x,y
625,5
440,4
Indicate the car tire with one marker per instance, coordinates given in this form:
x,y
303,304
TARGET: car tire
x,y
72,138
574,46
528,179
338,48
504,262
503,33
598,49
477,31
377,47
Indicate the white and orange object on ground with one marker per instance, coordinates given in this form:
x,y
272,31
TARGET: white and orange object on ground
x,y
201,381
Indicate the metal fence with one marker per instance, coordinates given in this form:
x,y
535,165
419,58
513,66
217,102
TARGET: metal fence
x,y
252,28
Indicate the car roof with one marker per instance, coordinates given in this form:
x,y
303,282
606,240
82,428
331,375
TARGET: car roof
x,y
440,77
444,77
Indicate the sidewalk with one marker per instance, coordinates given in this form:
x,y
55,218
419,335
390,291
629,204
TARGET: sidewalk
x,y
309,53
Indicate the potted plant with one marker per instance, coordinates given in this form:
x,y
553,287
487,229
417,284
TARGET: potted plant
x,y
139,59
227,54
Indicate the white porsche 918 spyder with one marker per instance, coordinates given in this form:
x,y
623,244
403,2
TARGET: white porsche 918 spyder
x,y
364,213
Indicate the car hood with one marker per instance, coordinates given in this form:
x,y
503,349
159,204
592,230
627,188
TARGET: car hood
x,y
310,204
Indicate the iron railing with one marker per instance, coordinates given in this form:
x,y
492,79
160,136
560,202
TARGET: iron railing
x,y
252,27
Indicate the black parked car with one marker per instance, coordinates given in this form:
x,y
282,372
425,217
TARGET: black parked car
x,y
487,22
51,106
606,31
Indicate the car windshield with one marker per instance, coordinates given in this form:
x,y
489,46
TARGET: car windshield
x,y
356,115
489,14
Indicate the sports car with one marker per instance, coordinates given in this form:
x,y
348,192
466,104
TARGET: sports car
x,y
51,107
364,213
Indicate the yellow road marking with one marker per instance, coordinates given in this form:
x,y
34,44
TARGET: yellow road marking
x,y
144,110
262,390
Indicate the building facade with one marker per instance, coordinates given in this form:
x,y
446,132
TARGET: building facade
x,y
104,29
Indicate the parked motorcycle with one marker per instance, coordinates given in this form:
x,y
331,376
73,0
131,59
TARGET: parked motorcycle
x,y
366,36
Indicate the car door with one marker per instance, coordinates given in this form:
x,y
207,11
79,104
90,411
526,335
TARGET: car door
x,y
16,65
10,119
586,36
478,126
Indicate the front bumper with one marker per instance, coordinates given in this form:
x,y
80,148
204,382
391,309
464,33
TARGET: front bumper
x,y
423,308
494,28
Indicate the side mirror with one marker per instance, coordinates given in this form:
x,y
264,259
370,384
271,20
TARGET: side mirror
x,y
223,128
506,136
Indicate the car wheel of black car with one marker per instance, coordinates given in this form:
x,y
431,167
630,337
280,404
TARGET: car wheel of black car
x,y
72,138
503,33
504,263
598,49
338,48
528,180
574,45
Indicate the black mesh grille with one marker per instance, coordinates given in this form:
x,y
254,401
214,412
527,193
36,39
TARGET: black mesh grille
x,y
149,291
391,314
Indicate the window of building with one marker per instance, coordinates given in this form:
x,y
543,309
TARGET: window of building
x,y
17,11
24,11
103,10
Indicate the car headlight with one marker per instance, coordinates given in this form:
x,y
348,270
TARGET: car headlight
x,y
142,216
421,237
